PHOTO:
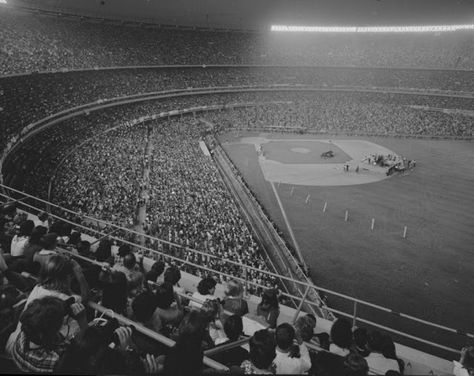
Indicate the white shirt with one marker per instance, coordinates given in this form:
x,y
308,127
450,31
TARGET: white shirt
x,y
201,298
459,370
17,245
380,364
335,349
286,365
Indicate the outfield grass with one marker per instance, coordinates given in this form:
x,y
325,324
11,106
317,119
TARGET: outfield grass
x,y
429,274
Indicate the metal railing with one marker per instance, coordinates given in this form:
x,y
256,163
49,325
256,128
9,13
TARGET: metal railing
x,y
356,303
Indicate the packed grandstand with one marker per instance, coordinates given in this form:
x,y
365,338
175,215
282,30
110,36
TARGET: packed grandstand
x,y
121,202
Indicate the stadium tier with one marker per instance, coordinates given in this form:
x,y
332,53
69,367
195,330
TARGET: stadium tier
x,y
233,202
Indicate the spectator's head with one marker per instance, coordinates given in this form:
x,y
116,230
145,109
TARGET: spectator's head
x,y
115,292
56,227
210,309
207,286
284,336
124,250
42,320
392,372
262,349
172,275
467,359
74,238
84,247
360,338
56,274
234,289
269,299
37,234
26,228
129,261
104,251
50,241
43,216
304,327
144,306
375,341
341,333
66,229
192,327
388,347
233,327
357,365
164,295
86,352
157,268
312,318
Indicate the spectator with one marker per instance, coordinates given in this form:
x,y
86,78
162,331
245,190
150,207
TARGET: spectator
x,y
20,241
132,272
234,301
39,343
304,328
390,352
172,276
188,346
361,342
34,244
43,220
341,337
268,308
205,290
156,270
465,366
376,361
169,314
356,365
114,291
49,243
233,329
290,358
212,311
261,355
104,251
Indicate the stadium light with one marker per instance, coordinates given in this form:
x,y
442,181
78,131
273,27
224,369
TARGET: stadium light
x,y
371,29
3,1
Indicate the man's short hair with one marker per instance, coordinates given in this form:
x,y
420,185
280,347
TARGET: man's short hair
x,y
284,335
172,275
233,327
129,260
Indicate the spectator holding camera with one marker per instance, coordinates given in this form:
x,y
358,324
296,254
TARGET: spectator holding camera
x,y
39,343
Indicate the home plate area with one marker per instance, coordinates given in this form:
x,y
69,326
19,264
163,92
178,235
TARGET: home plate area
x,y
321,162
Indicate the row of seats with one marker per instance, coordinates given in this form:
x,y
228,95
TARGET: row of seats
x,y
70,308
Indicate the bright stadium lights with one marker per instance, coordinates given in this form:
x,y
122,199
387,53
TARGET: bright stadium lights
x,y
371,29
3,1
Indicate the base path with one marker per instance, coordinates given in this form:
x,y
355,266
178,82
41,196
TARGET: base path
x,y
322,172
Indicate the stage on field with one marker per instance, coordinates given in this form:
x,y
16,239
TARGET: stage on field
x,y
306,161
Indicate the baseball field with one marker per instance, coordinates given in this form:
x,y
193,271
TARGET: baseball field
x,y
427,274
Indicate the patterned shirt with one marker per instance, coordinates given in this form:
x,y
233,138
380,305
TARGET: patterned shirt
x,y
35,359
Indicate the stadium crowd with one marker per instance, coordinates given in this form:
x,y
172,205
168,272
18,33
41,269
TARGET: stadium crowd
x,y
190,205
48,325
34,43
101,177
98,171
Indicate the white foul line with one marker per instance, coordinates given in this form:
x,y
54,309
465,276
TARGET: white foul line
x,y
285,218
